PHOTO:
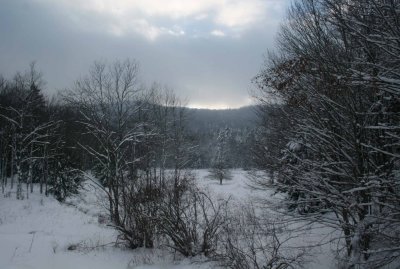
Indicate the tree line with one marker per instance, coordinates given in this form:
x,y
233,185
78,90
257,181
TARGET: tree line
x,y
36,139
42,135
135,142
332,128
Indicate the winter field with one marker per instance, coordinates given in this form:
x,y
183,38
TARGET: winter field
x,y
42,233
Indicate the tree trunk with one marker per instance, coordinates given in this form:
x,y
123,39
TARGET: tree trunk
x,y
46,174
19,186
2,153
12,164
30,170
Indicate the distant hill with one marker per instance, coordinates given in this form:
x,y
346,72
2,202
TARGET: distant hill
x,y
203,120
205,127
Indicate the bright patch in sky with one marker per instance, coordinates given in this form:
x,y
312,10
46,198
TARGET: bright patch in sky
x,y
217,33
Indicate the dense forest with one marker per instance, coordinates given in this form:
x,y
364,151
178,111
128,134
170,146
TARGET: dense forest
x,y
26,109
334,141
240,131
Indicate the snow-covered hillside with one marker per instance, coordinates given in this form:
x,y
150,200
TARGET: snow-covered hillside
x,y
42,233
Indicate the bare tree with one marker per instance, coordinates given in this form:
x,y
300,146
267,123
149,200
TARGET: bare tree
x,y
253,240
191,219
219,167
337,70
26,128
106,99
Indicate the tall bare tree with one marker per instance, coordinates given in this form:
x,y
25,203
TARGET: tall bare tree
x,y
337,68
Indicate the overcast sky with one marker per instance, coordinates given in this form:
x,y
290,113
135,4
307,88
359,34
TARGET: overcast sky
x,y
207,51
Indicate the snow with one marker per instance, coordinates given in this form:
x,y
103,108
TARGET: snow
x,y
238,187
36,233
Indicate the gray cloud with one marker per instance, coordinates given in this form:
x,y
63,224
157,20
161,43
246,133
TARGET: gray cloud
x,y
199,51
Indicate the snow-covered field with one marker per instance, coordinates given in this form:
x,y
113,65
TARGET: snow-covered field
x,y
42,233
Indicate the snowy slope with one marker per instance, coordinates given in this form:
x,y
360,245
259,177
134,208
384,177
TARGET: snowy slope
x,y
37,232
239,188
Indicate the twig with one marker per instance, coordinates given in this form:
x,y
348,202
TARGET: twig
x,y
33,238
15,251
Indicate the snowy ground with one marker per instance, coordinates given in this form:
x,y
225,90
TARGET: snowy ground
x,y
38,232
